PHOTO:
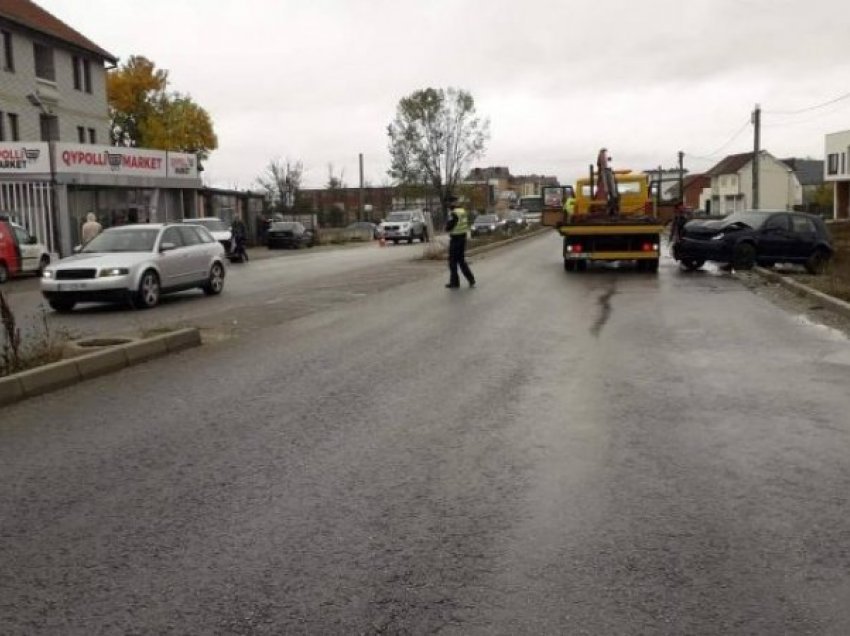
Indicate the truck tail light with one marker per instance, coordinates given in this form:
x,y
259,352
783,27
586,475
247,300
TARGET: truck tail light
x,y
647,247
575,249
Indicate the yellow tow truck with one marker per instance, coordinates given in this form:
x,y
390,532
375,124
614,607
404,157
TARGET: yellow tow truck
x,y
613,218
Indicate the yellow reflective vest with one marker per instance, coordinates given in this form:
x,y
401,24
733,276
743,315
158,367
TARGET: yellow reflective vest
x,y
462,225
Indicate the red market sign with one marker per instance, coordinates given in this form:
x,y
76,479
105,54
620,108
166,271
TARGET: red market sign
x,y
24,158
74,158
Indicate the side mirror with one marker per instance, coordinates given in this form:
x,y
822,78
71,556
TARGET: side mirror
x,y
167,247
77,249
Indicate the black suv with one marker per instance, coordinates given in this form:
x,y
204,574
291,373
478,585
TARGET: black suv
x,y
752,237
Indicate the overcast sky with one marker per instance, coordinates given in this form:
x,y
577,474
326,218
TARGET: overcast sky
x,y
319,80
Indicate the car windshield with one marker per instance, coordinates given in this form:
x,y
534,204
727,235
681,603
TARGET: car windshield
x,y
123,240
399,216
213,225
752,219
485,219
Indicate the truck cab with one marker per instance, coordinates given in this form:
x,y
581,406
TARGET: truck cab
x,y
20,252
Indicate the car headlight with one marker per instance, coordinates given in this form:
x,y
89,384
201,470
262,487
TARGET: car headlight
x,y
113,271
48,273
492,227
718,237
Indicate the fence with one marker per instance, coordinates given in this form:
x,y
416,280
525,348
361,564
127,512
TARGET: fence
x,y
30,203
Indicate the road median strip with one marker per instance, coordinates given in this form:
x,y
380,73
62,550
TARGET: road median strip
x,y
56,375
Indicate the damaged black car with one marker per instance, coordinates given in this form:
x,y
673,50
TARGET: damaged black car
x,y
755,237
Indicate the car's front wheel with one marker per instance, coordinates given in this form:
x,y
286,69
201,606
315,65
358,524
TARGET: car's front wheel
x,y
215,282
744,256
149,290
62,305
692,264
817,262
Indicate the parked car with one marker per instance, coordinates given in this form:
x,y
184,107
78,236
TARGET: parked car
x,y
217,227
405,225
137,263
762,237
20,252
362,229
485,224
289,234
515,220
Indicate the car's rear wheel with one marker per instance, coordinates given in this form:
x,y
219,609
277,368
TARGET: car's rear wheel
x,y
817,262
215,283
4,273
62,305
149,290
744,256
569,266
692,264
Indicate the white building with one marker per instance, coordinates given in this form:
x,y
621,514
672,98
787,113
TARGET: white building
x,y
732,184
54,123
837,171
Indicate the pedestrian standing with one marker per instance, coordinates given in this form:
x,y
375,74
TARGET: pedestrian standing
x,y
238,234
457,226
91,228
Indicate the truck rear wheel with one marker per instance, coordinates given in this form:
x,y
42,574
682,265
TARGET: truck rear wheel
x,y
569,265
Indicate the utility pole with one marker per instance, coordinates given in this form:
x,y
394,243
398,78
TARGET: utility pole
x,y
360,212
681,178
756,119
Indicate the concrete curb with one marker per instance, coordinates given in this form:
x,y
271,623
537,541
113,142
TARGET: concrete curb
x,y
57,375
834,304
514,239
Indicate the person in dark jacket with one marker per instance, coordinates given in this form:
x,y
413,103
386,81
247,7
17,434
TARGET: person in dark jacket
x,y
238,234
457,225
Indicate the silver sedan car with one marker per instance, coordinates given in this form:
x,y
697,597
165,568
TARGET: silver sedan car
x,y
137,263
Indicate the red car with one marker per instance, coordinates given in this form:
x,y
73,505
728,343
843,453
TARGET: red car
x,y
19,251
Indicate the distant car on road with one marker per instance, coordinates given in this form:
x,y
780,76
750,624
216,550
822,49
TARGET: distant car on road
x,y
136,263
217,227
20,252
405,225
291,234
485,224
752,237
515,220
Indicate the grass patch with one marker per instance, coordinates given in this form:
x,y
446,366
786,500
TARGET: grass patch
x,y
31,348
835,281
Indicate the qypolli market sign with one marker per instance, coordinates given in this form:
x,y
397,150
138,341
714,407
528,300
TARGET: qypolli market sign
x,y
24,158
110,160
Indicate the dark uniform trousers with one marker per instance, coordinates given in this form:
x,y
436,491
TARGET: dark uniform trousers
x,y
457,258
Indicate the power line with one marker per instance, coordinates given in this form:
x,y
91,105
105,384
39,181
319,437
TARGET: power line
x,y
737,134
808,108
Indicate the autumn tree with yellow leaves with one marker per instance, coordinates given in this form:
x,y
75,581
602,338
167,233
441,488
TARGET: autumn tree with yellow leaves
x,y
144,113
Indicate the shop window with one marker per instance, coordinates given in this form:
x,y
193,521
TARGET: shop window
x,y
44,68
8,53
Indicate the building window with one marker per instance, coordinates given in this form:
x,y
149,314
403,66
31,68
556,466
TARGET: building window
x,y
92,136
81,134
87,75
14,135
44,68
832,164
78,80
2,128
843,160
8,55
49,125
82,74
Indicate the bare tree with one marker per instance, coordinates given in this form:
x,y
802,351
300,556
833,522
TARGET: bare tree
x,y
434,136
335,181
281,181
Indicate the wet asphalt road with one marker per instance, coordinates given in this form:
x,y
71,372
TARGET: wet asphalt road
x,y
609,453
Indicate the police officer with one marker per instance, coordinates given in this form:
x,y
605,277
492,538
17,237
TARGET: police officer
x,y
457,226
